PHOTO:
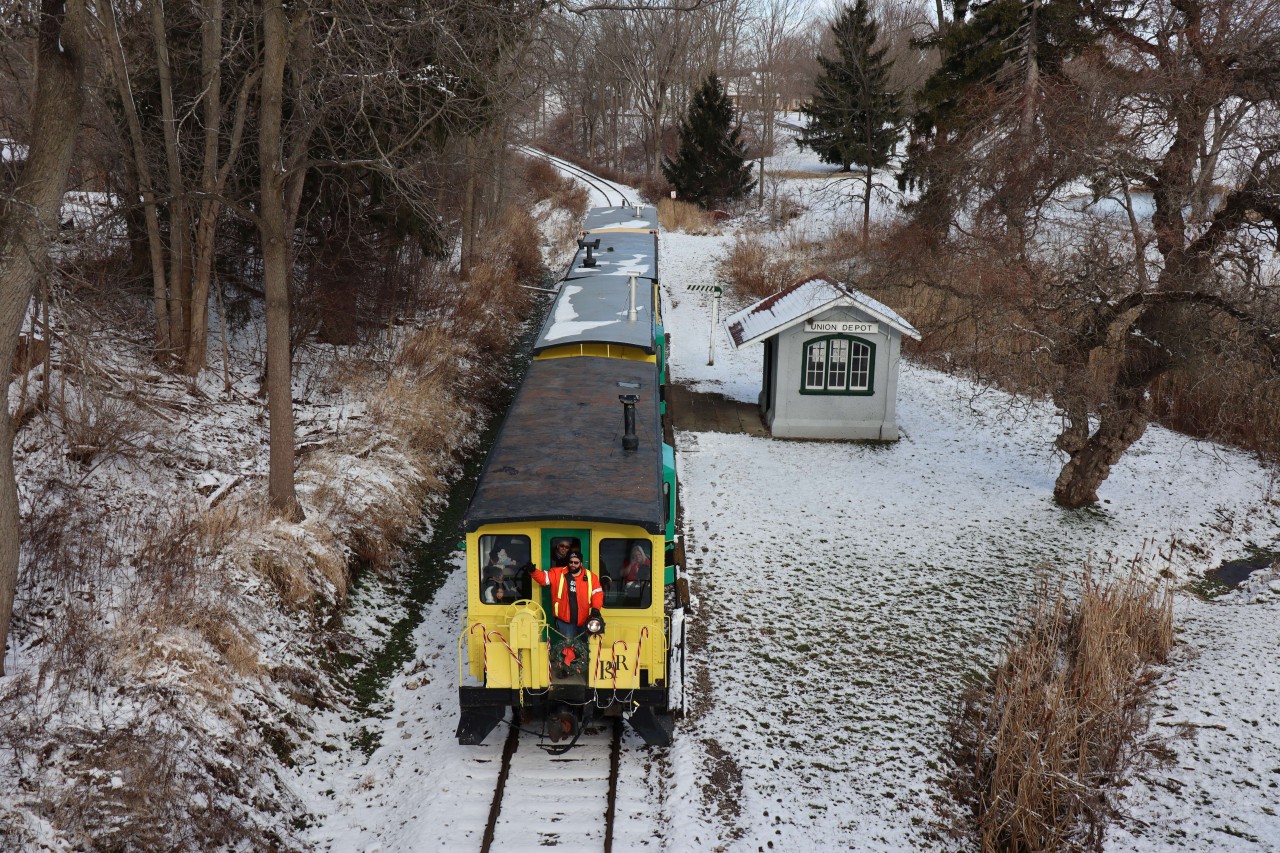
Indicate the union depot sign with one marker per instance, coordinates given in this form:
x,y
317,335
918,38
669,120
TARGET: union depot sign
x,y
841,327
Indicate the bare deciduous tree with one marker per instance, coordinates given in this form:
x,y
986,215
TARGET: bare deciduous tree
x,y
775,50
28,222
1151,111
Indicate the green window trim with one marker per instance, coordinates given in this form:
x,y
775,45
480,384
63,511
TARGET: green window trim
x,y
845,360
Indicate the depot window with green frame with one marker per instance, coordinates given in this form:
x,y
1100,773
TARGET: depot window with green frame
x,y
838,364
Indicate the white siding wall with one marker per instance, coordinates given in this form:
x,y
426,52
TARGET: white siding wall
x,y
873,417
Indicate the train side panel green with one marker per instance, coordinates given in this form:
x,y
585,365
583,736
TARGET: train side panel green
x,y
669,504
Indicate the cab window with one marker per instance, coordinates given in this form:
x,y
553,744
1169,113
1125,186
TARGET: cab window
x,y
501,557
626,572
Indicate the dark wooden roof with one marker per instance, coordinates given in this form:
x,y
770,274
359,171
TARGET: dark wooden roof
x,y
559,456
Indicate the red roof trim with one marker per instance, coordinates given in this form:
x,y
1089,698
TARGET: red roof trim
x,y
769,301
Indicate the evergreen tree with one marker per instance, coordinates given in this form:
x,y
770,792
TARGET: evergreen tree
x,y
987,48
984,97
853,118
710,167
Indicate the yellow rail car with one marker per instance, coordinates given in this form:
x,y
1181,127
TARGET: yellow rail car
x,y
561,479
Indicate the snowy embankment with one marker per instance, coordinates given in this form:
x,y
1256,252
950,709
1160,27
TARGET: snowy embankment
x,y
844,593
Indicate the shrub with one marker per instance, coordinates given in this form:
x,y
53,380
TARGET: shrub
x,y
99,426
754,269
955,297
519,256
654,189
544,181
542,178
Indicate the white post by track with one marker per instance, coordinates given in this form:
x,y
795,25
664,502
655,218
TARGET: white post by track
x,y
715,315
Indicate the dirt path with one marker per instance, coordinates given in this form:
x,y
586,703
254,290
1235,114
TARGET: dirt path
x,y
699,411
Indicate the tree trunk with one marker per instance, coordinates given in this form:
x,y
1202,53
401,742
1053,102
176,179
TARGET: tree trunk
x,y
1090,463
468,212
206,226
114,51
198,341
28,219
274,234
866,206
179,207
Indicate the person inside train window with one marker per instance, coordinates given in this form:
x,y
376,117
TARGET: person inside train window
x,y
494,589
575,593
515,553
504,554
560,549
633,586
637,567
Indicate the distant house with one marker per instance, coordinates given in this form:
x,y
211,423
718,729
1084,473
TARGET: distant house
x,y
830,360
747,91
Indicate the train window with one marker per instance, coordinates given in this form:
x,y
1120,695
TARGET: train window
x,y
626,572
501,581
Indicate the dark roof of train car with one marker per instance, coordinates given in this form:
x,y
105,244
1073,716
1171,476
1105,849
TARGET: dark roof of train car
x,y
596,311
621,253
559,456
621,217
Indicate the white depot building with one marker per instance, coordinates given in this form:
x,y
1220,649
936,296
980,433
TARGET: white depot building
x,y
830,360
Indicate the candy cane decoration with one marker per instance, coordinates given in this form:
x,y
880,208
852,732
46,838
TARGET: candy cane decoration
x,y
514,654
484,644
644,632
615,661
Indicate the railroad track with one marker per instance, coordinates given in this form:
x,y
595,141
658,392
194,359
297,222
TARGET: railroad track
x,y
564,801
607,189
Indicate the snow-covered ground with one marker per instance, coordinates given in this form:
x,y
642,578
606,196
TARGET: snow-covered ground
x,y
843,594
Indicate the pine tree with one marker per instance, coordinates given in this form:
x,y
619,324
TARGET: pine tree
x,y
992,57
710,167
987,41
853,117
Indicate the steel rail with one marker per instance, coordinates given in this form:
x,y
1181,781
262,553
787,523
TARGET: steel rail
x,y
505,782
606,188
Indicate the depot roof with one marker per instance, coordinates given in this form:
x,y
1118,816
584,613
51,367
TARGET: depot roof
x,y
799,302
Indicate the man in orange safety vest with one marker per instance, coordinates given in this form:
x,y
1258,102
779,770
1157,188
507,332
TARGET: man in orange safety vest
x,y
575,592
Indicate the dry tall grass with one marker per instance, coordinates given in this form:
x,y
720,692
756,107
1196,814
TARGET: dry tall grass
x,y
1040,745
676,215
144,652
756,266
421,384
544,181
168,651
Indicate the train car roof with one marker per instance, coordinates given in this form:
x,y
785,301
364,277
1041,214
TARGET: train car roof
x,y
596,311
558,455
621,253
622,217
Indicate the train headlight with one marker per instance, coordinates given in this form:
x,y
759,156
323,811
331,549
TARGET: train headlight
x,y
595,623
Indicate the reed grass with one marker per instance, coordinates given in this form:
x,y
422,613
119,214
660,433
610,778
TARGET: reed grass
x,y
1041,744
676,215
